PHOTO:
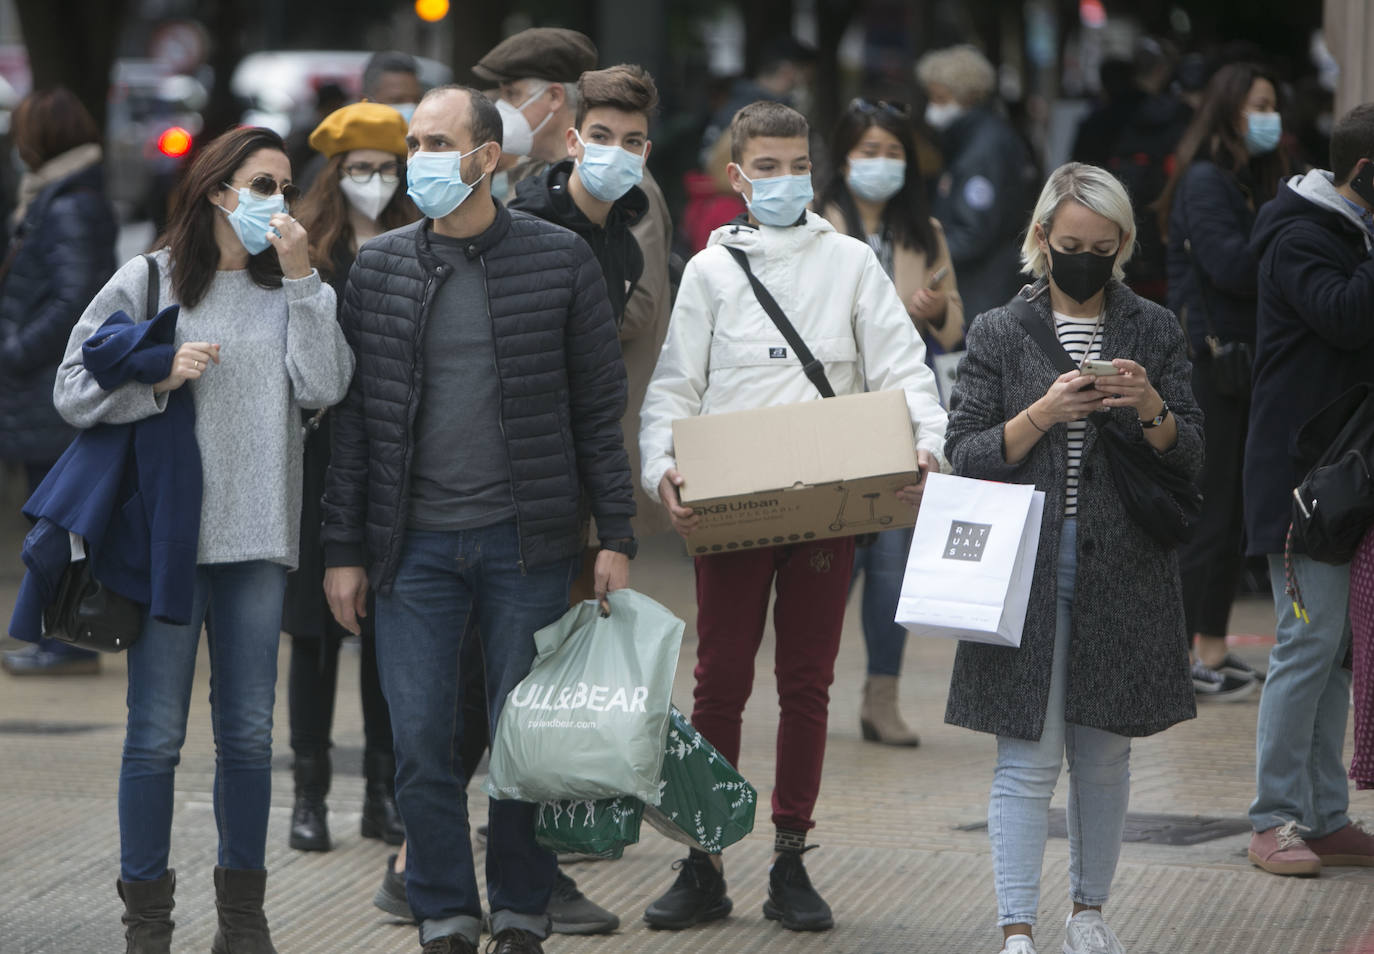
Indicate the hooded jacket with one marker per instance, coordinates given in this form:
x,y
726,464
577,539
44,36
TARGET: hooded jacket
x,y
723,352
1315,337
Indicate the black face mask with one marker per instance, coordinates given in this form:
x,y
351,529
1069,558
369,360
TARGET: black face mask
x,y
1362,184
1080,275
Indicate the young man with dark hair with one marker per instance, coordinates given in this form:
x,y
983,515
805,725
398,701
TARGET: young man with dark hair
x,y
451,492
1315,341
724,353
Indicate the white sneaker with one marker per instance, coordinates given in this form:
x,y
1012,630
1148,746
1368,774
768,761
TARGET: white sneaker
x,y
1019,944
1087,933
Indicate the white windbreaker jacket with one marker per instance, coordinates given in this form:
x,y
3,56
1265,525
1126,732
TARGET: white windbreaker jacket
x,y
723,352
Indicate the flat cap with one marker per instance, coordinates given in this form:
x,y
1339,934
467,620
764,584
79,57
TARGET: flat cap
x,y
361,126
546,53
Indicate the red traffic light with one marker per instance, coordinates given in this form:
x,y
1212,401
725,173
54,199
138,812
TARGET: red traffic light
x,y
174,142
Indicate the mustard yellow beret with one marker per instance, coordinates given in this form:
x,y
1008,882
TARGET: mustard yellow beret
x,y
361,126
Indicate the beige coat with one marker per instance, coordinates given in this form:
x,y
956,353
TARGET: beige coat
x,y
911,271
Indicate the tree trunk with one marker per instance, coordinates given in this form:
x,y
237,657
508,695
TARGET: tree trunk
x,y
72,44
832,19
474,37
764,21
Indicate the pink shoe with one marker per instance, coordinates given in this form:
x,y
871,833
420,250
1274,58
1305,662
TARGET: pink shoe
x,y
1351,845
1282,851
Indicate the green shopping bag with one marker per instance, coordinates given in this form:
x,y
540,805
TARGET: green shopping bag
x,y
590,719
601,828
705,803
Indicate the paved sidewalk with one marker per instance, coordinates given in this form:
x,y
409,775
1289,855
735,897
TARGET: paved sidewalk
x,y
894,861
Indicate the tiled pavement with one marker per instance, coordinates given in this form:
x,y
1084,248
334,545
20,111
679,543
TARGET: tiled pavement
x,y
893,862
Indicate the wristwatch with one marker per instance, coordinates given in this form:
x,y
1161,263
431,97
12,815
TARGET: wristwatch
x,y
626,545
1159,418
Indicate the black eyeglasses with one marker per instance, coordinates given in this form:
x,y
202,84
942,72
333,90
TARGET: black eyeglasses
x,y
265,187
362,172
861,105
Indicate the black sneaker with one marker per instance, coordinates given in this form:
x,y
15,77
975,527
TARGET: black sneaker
x,y
515,941
791,898
697,895
572,912
1221,685
391,894
1236,666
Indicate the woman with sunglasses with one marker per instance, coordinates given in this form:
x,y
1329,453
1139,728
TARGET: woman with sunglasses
x,y
256,340
876,195
359,194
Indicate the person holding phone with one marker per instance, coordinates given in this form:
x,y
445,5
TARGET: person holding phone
x,y
876,195
1104,652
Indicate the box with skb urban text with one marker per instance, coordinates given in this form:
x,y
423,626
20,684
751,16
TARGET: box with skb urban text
x,y
797,472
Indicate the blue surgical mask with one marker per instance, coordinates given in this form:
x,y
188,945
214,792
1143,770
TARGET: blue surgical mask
x,y
876,180
778,200
252,220
608,172
1262,132
405,109
436,181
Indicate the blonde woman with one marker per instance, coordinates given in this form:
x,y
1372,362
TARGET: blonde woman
x,y
1104,653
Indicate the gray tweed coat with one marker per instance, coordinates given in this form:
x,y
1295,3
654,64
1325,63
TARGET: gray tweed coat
x,y
1128,663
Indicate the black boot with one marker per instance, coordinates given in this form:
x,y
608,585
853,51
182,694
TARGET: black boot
x,y
310,818
242,923
697,895
148,914
380,817
791,898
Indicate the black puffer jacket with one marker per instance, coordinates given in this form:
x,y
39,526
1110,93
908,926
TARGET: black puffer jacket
x,y
562,391
63,253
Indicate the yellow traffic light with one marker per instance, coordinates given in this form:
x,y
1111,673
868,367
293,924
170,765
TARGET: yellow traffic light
x,y
431,11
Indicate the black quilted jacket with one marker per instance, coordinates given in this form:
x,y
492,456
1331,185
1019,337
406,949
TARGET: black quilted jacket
x,y
62,254
562,391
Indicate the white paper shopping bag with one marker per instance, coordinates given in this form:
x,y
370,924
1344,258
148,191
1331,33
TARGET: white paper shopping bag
x,y
968,575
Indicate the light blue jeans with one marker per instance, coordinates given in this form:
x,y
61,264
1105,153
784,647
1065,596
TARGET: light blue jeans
x,y
1299,771
1023,783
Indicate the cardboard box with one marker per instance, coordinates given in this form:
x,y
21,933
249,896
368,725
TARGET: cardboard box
x,y
825,468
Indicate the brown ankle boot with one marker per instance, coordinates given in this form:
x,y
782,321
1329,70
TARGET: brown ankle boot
x,y
148,914
242,923
879,719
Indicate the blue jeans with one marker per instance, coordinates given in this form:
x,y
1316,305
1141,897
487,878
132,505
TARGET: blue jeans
x,y
447,585
1299,771
240,605
883,563
1023,783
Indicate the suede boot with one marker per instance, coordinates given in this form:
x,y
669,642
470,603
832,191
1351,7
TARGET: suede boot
x,y
879,719
148,914
310,817
381,819
242,924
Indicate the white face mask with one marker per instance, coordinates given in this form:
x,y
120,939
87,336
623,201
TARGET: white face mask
x,y
368,197
517,136
942,115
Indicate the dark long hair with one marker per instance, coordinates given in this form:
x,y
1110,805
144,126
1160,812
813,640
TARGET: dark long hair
x,y
906,215
324,213
190,235
1212,136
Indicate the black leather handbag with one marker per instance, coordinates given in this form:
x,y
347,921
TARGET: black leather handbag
x,y
85,612
1333,507
1230,363
1165,504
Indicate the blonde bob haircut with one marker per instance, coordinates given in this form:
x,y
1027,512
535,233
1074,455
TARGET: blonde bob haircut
x,y
964,70
1097,190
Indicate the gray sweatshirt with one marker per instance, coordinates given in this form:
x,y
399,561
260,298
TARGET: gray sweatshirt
x,y
281,350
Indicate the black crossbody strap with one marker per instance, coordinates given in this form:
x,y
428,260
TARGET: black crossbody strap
x,y
1201,288
813,368
154,280
1042,334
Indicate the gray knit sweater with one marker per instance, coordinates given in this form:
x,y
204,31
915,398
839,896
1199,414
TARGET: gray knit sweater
x,y
280,350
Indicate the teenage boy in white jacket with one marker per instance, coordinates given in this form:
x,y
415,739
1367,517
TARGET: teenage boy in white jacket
x,y
723,353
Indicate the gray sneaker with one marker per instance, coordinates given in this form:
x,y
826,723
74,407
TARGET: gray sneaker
x,y
573,913
1221,685
391,893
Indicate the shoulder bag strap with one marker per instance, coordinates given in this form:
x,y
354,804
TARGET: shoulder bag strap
x,y
1042,334
154,280
1212,341
813,368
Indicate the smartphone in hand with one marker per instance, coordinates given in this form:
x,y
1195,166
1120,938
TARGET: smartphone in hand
x,y
1101,369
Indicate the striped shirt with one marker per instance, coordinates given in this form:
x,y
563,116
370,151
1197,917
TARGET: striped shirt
x,y
1076,335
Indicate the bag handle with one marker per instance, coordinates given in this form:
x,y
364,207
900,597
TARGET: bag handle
x,y
813,368
154,280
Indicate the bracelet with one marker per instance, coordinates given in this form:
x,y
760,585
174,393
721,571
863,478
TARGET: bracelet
x,y
1032,422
